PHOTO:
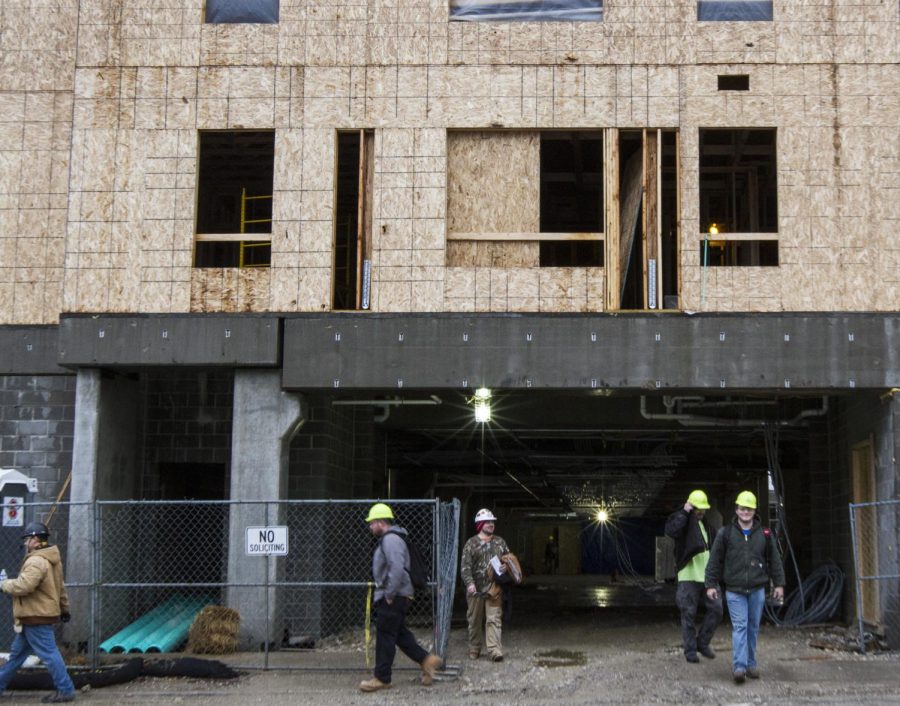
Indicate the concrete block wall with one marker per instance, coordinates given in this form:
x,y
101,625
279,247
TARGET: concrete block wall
x,y
98,177
188,420
37,416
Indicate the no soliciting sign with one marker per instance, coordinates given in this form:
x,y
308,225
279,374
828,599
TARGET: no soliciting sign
x,y
267,541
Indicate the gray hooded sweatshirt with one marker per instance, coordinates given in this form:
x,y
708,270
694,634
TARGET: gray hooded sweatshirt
x,y
390,566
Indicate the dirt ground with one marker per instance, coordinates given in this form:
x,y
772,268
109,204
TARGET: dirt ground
x,y
557,652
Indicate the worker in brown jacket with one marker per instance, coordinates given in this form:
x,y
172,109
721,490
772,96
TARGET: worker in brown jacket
x,y
39,601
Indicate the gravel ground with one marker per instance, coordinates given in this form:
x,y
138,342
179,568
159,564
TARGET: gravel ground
x,y
563,655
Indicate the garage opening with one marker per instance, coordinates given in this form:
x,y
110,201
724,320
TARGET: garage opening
x,y
582,482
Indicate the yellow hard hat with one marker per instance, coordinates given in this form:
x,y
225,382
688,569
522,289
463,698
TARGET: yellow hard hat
x,y
380,511
698,499
746,499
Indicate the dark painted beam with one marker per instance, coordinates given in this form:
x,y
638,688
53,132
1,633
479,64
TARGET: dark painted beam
x,y
153,340
636,351
30,350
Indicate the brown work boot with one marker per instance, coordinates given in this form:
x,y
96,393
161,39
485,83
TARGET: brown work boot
x,y
373,684
429,666
474,654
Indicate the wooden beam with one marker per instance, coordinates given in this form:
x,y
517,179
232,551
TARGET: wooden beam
x,y
525,236
611,209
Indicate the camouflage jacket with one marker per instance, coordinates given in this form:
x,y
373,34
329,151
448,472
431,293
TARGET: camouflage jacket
x,y
476,556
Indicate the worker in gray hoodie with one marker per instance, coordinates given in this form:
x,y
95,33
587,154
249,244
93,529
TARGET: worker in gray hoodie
x,y
393,596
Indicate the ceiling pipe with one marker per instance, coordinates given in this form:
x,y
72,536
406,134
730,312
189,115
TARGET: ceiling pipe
x,y
385,405
389,402
698,420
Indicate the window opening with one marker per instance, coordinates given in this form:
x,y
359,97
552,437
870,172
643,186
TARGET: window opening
x,y
241,11
631,242
669,218
734,10
734,82
352,223
738,181
234,199
738,253
571,197
527,10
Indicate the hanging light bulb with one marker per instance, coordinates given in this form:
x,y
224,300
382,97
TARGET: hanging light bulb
x,y
482,402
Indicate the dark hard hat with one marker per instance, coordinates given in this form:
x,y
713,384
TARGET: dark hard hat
x,y
36,529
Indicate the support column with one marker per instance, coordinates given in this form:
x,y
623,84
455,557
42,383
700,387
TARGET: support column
x,y
264,421
105,465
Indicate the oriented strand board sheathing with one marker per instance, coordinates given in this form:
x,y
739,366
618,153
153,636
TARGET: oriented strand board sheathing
x,y
493,182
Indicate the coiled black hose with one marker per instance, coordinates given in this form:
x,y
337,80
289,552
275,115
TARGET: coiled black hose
x,y
816,601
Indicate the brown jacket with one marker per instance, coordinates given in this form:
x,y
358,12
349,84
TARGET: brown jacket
x,y
39,594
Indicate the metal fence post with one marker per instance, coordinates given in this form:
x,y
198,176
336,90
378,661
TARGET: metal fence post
x,y
268,607
96,556
856,571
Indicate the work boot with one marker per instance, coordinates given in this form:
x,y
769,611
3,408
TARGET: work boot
x,y
753,672
58,698
474,654
429,666
691,657
739,675
373,684
707,652
496,657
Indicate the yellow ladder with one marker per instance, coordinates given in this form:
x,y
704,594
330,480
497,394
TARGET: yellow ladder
x,y
246,245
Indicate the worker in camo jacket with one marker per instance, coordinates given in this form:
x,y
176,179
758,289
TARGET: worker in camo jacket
x,y
39,601
484,613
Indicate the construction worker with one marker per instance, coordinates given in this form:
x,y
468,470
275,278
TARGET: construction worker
x,y
393,596
693,537
484,613
39,601
745,557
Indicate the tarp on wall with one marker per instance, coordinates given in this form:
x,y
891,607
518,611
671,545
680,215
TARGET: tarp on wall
x,y
242,11
734,10
527,10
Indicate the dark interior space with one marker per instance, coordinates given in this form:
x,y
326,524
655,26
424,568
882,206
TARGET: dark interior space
x,y
669,218
346,220
234,196
738,180
551,461
738,253
630,161
571,197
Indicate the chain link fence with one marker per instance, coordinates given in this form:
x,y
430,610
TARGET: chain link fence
x,y
875,529
138,572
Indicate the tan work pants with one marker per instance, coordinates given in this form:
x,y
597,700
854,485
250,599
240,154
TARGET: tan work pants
x,y
485,618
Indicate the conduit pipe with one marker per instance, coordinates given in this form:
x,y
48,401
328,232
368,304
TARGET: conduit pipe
x,y
386,405
698,420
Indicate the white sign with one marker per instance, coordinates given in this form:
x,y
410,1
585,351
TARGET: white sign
x,y
13,513
267,541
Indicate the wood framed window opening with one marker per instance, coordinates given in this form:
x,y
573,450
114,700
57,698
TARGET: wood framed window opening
x,y
352,253
234,198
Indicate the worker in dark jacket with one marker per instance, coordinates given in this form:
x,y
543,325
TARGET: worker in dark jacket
x,y
393,596
745,558
693,537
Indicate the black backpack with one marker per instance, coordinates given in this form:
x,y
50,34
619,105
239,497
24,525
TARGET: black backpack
x,y
418,574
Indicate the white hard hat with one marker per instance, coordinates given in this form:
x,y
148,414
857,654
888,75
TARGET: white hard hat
x,y
484,515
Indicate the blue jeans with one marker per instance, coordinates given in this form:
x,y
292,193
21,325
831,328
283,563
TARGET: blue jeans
x,y
40,640
746,612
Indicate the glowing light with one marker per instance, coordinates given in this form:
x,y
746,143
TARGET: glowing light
x,y
482,402
713,229
602,516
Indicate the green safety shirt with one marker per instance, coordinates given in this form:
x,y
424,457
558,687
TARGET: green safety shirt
x,y
695,569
